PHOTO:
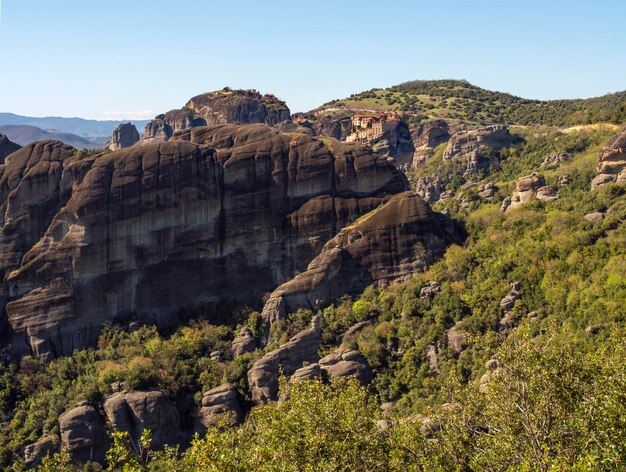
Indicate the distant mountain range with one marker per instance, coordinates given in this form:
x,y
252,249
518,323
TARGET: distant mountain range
x,y
77,126
24,134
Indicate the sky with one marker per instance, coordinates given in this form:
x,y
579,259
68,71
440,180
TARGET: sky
x,y
131,59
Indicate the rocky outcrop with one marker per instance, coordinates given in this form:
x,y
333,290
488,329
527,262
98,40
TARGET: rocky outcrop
x,y
478,148
221,407
508,302
287,359
426,137
140,233
239,106
346,363
612,161
386,245
529,187
555,159
138,411
83,433
164,126
333,125
6,147
124,136
396,143
243,343
456,339
34,453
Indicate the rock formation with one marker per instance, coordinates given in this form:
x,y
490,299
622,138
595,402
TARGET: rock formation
x,y
165,125
346,363
612,161
124,136
529,187
83,433
215,212
386,245
333,125
287,359
34,453
244,342
427,136
6,147
477,148
239,106
137,411
221,407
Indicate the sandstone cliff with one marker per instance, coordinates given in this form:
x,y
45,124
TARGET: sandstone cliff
x,y
140,233
389,244
125,135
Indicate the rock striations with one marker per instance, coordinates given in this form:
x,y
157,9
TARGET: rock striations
x,y
221,212
125,135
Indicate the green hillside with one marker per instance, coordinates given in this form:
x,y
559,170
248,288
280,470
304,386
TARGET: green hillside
x,y
458,100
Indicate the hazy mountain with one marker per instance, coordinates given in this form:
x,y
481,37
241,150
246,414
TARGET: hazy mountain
x,y
24,134
77,126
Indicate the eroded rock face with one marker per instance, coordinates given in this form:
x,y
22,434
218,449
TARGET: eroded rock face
x,y
334,125
124,136
215,212
239,106
34,453
389,244
6,147
243,343
165,125
477,148
221,407
346,363
83,433
612,161
427,136
137,411
288,358
529,187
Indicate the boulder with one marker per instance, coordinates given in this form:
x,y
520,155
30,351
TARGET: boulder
x,y
612,161
243,343
83,433
135,412
433,358
456,340
529,187
429,290
346,363
546,194
221,407
555,159
34,453
487,191
595,216
508,302
124,136
288,358
308,372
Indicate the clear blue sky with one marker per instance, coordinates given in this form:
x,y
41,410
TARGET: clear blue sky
x,y
121,58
